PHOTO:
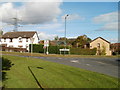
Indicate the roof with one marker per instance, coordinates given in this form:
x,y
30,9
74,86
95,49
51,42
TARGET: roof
x,y
100,38
25,34
116,44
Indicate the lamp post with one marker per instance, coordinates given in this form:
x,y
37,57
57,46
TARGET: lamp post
x,y
65,31
31,45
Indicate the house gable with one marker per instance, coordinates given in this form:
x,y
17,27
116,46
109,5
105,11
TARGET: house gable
x,y
100,38
100,44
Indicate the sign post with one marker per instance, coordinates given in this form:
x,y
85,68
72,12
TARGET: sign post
x,y
44,49
46,45
64,50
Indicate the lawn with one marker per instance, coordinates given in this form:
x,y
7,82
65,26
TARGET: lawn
x,y
53,75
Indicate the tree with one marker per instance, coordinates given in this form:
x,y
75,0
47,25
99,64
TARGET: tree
x,y
81,41
1,32
62,38
56,38
103,51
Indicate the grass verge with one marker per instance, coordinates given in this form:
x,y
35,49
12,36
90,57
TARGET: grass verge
x,y
53,75
57,55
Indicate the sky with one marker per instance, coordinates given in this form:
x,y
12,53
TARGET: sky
x,y
94,19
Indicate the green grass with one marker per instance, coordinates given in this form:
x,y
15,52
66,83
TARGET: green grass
x,y
53,75
57,55
0,83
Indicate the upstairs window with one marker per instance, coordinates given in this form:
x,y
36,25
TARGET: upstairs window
x,y
98,45
26,46
11,39
11,46
5,40
26,39
20,39
20,46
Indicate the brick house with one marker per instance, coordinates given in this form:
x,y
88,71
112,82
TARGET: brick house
x,y
102,45
115,47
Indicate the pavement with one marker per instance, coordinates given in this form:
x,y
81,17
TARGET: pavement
x,y
108,66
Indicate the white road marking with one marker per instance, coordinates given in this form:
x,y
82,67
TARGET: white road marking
x,y
101,62
88,64
59,58
74,61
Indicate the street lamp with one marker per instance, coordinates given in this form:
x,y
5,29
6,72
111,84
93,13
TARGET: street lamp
x,y
32,39
65,30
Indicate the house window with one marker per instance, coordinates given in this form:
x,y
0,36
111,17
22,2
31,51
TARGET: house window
x,y
26,39
20,39
98,45
26,46
5,40
11,46
20,46
32,40
10,39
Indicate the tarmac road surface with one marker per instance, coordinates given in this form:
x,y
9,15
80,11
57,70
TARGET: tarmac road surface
x,y
107,66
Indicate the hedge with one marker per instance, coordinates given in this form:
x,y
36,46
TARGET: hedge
x,y
79,51
38,48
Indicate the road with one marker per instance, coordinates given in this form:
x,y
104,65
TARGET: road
x,y
108,66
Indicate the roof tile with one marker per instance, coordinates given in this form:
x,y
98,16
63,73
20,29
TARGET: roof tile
x,y
25,34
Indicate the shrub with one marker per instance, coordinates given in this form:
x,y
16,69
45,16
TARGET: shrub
x,y
103,51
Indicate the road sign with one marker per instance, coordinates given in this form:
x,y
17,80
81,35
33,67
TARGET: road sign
x,y
46,43
64,49
44,47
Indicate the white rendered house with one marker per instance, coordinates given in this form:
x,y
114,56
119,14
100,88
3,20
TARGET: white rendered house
x,y
19,39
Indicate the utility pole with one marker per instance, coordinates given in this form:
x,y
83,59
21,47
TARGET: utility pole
x,y
16,23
